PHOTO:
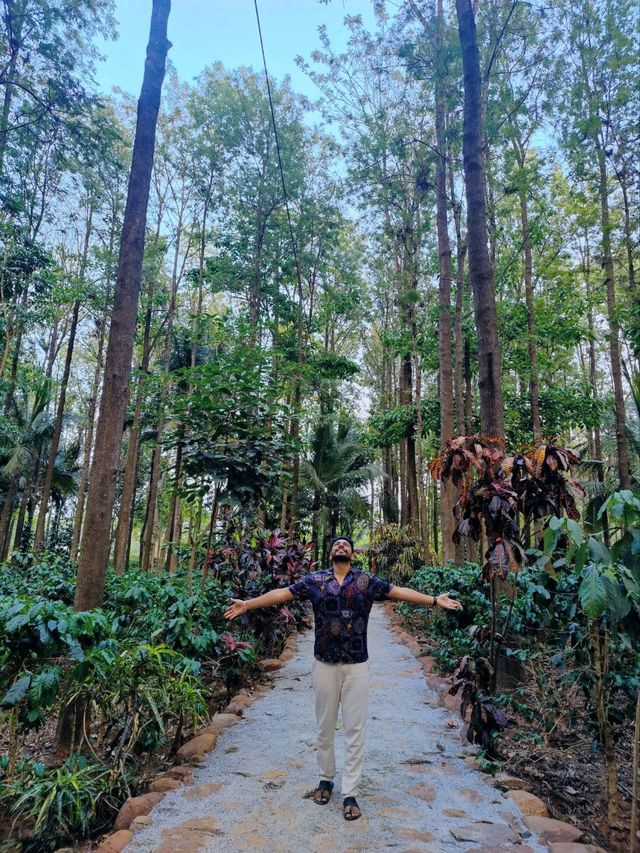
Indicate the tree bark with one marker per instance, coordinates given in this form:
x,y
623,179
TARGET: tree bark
x,y
529,301
173,527
614,326
422,498
461,251
123,530
448,494
593,377
38,543
480,268
6,515
94,552
634,846
14,19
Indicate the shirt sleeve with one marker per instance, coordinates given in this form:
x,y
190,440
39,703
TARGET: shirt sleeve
x,y
380,589
301,589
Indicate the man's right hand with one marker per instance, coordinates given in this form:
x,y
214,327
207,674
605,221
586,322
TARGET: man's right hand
x,y
237,608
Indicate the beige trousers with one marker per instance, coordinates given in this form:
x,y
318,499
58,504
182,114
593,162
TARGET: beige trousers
x,y
346,685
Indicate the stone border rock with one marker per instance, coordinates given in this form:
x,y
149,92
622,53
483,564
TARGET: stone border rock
x,y
134,814
559,836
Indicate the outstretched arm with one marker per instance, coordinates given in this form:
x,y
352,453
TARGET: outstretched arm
x,y
404,593
276,596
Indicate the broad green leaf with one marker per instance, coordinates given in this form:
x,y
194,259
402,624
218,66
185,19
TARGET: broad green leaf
x,y
75,649
618,605
592,592
631,581
598,552
581,557
549,540
17,622
16,692
575,530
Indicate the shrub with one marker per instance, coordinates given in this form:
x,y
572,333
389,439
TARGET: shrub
x,y
65,803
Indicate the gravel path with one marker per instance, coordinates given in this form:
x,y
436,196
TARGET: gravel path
x,y
418,794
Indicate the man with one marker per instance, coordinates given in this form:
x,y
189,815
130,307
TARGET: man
x,y
341,598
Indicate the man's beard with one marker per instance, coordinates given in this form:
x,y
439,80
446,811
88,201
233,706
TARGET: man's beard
x,y
341,558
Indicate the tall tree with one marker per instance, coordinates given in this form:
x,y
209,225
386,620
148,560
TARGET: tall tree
x,y
602,59
445,376
481,273
94,550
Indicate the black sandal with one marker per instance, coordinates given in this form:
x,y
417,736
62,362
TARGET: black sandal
x,y
348,806
322,793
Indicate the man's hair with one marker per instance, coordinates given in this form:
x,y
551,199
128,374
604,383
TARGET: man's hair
x,y
341,539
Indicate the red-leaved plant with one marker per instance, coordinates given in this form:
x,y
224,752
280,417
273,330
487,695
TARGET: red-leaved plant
x,y
503,494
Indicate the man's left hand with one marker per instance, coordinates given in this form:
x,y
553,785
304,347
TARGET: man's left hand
x,y
448,603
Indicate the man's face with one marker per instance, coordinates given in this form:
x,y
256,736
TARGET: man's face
x,y
341,551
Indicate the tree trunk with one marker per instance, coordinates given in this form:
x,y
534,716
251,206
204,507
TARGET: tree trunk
x,y
6,515
480,268
389,499
528,290
634,845
27,493
435,515
405,508
173,527
458,374
468,388
38,543
406,399
422,498
94,552
150,524
593,380
14,19
15,360
123,530
448,495
195,531
614,326
88,446
600,645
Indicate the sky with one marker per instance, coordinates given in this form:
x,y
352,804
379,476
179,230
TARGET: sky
x,y
206,31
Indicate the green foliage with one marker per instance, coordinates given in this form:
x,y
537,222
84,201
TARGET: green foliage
x,y
338,467
396,551
222,422
141,692
68,802
388,426
561,410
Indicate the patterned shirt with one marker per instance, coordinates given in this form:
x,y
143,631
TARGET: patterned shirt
x,y
341,612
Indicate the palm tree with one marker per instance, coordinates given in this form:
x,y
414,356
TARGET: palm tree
x,y
633,425
336,471
20,452
66,477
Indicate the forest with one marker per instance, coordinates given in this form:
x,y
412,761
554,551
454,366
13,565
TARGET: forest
x,y
236,322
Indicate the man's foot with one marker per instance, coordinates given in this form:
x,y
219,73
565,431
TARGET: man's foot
x,y
351,809
322,793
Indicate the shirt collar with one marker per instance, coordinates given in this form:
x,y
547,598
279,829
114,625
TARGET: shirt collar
x,y
347,578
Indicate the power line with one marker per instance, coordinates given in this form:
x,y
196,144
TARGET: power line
x,y
275,133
